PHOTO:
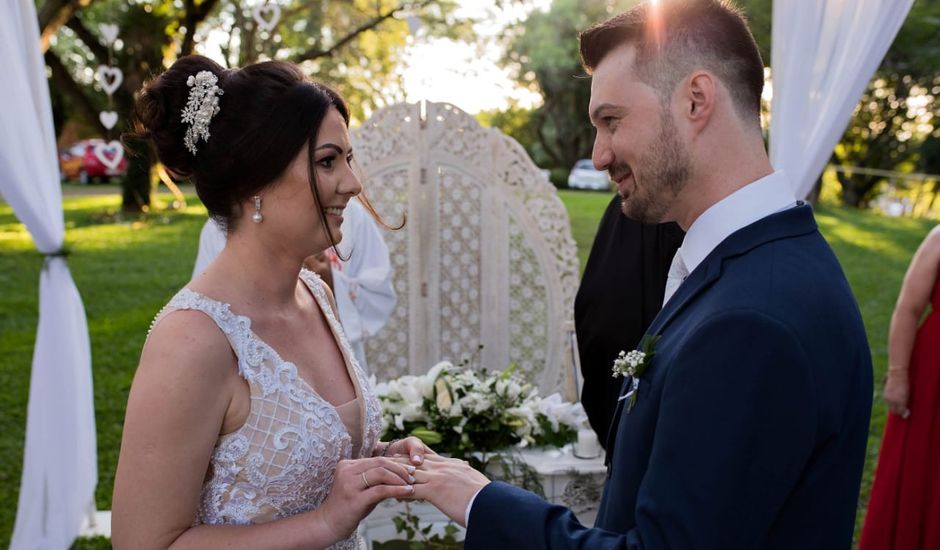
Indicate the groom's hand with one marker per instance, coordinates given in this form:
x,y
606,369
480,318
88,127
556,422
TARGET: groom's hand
x,y
448,484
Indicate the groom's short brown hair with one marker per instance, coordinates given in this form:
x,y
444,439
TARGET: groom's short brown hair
x,y
675,37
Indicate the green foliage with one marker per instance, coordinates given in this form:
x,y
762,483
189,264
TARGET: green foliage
x,y
355,46
317,36
543,55
930,155
517,122
96,543
144,38
420,537
508,466
894,116
898,110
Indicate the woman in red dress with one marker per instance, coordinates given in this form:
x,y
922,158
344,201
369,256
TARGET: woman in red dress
x,y
904,509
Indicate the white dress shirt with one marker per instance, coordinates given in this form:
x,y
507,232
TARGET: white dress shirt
x,y
754,201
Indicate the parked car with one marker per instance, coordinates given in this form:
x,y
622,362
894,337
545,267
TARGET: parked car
x,y
79,162
584,176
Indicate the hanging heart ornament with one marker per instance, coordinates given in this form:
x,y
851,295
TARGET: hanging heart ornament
x,y
414,24
110,78
109,32
266,16
108,119
110,154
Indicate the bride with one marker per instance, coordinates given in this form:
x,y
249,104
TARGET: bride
x,y
249,424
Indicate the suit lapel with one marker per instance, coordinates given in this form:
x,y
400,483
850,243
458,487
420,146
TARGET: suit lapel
x,y
788,223
697,282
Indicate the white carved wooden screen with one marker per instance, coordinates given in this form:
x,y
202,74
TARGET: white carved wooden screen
x,y
486,256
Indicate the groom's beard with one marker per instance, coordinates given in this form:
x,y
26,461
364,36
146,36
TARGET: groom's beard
x,y
666,168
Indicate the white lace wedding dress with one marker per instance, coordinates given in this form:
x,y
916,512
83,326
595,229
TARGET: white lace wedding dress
x,y
281,462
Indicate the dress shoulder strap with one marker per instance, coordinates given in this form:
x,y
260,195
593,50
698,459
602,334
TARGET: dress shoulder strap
x,y
249,350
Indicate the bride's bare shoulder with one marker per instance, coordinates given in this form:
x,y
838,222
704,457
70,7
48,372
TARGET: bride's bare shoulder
x,y
188,340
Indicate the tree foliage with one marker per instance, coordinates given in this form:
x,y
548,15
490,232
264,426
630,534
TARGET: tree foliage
x,y
355,46
898,110
543,55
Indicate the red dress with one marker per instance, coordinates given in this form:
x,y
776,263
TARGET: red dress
x,y
904,510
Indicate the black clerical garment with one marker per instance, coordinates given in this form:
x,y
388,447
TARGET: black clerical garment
x,y
621,292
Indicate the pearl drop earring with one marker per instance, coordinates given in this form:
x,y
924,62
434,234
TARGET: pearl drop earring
x,y
257,217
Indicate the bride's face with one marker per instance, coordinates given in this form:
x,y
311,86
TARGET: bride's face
x,y
337,182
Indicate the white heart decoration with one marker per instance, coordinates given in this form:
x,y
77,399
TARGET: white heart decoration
x,y
108,119
109,78
414,24
109,32
110,154
266,16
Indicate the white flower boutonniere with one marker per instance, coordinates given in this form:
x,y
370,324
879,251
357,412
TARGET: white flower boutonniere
x,y
633,364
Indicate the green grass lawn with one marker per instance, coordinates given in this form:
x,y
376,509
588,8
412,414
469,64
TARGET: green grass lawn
x,y
127,269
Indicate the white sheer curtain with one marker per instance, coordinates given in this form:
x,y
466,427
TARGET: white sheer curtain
x,y
59,461
824,53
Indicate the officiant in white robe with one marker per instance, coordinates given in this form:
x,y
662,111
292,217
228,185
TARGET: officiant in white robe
x,y
362,283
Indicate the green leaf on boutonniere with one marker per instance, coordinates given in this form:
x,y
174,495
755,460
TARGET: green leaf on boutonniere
x,y
648,349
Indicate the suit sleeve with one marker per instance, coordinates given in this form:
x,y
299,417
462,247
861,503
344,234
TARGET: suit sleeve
x,y
504,516
734,432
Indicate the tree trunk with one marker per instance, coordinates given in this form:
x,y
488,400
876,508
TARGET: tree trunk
x,y
52,15
933,198
191,20
63,81
136,189
850,195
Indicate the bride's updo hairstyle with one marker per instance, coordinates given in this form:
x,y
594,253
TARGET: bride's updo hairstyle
x,y
266,113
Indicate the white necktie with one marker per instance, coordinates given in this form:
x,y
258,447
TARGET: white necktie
x,y
677,273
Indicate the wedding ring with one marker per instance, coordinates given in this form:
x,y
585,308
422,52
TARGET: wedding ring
x,y
365,481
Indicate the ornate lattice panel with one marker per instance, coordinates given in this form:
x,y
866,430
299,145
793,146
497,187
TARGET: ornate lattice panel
x,y
459,264
389,350
486,258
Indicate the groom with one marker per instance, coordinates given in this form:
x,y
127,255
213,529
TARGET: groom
x,y
747,428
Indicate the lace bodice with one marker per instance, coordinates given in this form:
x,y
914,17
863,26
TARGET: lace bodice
x,y
281,462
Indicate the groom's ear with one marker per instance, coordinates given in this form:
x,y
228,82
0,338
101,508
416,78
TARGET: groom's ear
x,y
699,96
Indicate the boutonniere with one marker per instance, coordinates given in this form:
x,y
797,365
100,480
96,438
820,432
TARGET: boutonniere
x,y
634,364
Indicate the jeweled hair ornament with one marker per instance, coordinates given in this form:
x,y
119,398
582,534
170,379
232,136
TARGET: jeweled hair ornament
x,y
203,104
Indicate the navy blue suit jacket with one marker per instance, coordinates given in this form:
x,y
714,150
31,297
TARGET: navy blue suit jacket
x,y
751,421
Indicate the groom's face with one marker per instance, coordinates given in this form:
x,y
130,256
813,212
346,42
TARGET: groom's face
x,y
637,141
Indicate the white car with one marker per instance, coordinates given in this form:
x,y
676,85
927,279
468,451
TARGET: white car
x,y
584,176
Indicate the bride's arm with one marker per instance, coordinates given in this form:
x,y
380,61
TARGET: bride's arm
x,y
185,386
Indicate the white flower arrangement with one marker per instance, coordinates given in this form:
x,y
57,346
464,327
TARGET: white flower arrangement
x,y
459,410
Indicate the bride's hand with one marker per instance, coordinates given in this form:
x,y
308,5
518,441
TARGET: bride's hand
x,y
360,484
448,484
411,447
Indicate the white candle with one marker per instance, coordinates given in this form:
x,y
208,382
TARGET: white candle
x,y
587,446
